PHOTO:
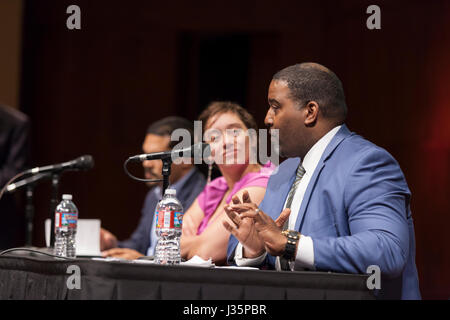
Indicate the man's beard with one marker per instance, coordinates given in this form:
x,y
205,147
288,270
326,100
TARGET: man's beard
x,y
282,148
285,152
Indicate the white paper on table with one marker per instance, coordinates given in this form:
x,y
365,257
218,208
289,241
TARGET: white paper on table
x,y
196,261
143,261
237,267
111,259
88,237
48,226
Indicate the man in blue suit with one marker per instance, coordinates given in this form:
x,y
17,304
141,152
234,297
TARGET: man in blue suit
x,y
339,203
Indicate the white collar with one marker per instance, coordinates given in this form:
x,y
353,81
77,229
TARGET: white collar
x,y
315,153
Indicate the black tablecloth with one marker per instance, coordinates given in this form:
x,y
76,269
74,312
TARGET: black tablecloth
x,y
29,277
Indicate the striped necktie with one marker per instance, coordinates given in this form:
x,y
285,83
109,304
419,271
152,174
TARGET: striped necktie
x,y
300,173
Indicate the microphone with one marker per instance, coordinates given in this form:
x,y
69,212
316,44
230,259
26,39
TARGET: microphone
x,y
24,182
82,163
195,150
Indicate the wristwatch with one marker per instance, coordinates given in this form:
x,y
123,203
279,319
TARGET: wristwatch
x,y
291,245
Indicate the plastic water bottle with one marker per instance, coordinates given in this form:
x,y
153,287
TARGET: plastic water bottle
x,y
169,219
66,218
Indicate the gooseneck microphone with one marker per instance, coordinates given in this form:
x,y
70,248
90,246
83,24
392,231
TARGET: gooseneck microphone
x,y
41,173
28,181
196,150
81,163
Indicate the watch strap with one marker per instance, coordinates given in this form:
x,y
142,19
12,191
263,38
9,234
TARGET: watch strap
x,y
290,250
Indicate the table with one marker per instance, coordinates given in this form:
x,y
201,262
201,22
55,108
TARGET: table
x,y
35,277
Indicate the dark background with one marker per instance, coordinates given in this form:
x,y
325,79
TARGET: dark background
x,y
95,90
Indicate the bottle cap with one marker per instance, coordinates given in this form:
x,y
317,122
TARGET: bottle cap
x,y
67,197
171,192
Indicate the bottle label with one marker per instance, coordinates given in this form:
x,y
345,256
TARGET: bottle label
x,y
169,219
178,220
66,219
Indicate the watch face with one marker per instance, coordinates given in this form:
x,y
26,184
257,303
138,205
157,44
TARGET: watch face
x,y
294,234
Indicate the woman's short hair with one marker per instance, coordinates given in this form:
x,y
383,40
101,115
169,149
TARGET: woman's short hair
x,y
220,107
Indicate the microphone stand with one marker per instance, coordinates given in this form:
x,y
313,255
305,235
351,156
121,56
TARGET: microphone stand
x,y
53,204
167,163
29,215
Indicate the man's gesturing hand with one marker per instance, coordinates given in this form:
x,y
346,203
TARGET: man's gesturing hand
x,y
269,230
243,228
254,229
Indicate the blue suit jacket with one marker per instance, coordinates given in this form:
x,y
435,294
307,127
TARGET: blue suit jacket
x,y
140,239
356,210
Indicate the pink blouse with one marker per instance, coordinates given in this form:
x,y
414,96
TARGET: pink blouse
x,y
213,193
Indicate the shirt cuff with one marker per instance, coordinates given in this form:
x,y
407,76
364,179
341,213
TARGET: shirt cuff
x,y
305,254
247,262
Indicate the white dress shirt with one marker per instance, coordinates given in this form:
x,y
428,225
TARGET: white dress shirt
x,y
305,252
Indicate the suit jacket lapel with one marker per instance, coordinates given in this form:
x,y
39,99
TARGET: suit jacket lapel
x,y
337,139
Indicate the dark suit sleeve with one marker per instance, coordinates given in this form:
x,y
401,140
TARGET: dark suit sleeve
x,y
376,199
192,189
140,238
17,152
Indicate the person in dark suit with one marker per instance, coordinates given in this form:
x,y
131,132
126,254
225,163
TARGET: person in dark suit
x,y
185,178
339,203
14,152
